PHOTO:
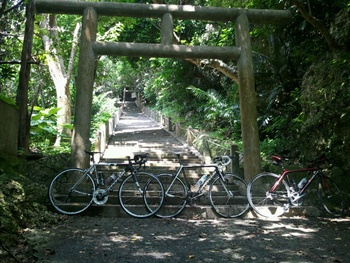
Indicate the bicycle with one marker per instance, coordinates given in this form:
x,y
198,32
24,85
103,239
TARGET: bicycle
x,y
73,190
227,192
271,195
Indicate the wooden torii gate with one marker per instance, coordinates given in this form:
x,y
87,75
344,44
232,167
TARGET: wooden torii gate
x,y
90,48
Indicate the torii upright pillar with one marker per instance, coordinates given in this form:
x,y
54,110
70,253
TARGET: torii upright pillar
x,y
84,91
247,99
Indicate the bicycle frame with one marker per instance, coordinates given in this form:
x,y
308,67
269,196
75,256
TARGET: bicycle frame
x,y
224,191
129,167
182,169
316,173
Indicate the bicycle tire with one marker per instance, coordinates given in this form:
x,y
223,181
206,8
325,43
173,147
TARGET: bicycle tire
x,y
330,196
71,191
141,194
175,197
265,203
229,197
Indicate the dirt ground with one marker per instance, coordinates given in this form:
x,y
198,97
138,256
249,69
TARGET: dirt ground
x,y
93,239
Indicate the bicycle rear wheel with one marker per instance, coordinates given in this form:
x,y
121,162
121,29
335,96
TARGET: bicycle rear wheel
x,y
264,202
71,191
141,194
175,196
228,197
330,197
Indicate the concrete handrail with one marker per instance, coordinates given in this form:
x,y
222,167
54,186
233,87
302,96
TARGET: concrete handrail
x,y
105,131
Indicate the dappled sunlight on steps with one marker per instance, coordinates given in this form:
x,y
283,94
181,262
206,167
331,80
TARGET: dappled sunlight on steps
x,y
137,133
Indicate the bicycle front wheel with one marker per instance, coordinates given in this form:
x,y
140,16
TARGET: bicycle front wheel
x,y
263,201
330,197
175,196
141,194
228,197
71,191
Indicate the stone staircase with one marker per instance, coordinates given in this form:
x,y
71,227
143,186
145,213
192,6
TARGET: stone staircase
x,y
137,134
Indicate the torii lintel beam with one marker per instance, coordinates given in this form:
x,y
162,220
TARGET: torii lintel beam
x,y
276,17
169,51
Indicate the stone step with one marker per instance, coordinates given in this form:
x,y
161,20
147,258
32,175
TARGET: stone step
x,y
160,153
191,174
190,212
157,162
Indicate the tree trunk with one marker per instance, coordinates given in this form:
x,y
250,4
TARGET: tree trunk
x,y
24,76
58,73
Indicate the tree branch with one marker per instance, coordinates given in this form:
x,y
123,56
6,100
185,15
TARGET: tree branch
x,y
333,45
218,65
13,62
13,7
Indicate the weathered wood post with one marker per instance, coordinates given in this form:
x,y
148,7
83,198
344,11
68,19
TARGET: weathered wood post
x,y
247,98
235,161
167,29
84,86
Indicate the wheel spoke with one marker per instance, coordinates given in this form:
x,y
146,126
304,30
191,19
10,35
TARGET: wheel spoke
x,y
228,197
141,195
71,191
175,197
264,202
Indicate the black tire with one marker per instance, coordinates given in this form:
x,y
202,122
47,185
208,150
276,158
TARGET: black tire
x,y
264,202
141,195
71,191
175,197
330,197
229,197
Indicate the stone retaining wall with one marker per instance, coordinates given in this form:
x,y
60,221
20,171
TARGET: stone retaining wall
x,y
106,130
9,129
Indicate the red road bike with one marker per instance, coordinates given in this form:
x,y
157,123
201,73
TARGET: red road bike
x,y
272,195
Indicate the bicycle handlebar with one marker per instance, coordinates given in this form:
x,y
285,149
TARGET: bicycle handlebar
x,y
223,160
139,159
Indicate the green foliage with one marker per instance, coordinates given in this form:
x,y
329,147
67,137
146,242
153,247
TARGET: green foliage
x,y
103,108
326,100
43,123
217,112
11,28
141,30
43,130
115,75
7,100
